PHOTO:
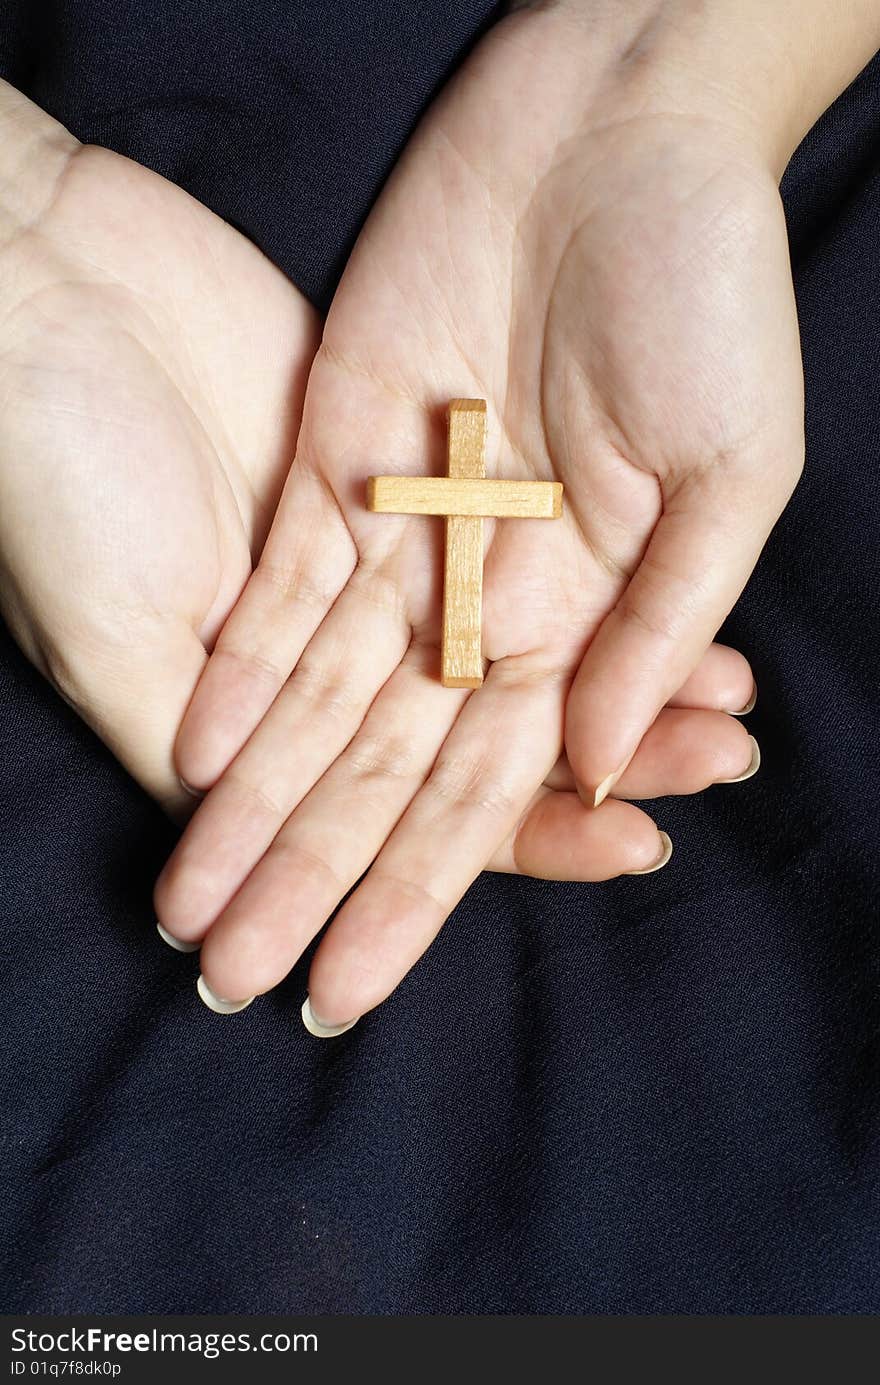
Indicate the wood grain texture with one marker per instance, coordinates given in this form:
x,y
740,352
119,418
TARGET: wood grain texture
x,y
439,495
461,657
465,497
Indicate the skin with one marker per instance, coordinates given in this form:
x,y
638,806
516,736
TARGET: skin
x,y
147,420
605,262
586,231
613,278
148,416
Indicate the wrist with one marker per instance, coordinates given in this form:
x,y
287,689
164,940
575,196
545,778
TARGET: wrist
x,y
764,72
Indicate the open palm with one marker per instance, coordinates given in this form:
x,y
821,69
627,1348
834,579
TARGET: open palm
x,y
151,382
619,293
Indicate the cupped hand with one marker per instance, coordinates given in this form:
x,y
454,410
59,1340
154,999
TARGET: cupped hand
x,y
615,283
152,367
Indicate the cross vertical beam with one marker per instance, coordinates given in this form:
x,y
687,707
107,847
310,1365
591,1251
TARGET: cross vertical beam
x,y
464,497
461,650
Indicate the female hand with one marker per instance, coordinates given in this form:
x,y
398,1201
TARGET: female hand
x,y
152,367
148,417
610,271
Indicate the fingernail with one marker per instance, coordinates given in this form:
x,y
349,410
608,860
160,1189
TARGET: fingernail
x,y
665,853
750,705
606,786
214,1002
177,943
193,793
753,767
323,1031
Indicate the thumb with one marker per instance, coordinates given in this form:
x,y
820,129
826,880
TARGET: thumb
x,y
702,551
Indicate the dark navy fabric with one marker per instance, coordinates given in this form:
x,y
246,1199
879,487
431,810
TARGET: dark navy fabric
x,y
653,1096
284,116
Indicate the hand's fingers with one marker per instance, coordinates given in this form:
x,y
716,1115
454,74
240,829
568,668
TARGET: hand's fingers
x,y
722,681
307,560
238,820
331,839
490,766
559,839
698,560
683,752
320,709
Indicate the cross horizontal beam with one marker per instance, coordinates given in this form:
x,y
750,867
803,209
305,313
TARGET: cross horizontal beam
x,y
448,495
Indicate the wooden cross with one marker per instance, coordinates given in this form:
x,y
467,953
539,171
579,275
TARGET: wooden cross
x,y
464,496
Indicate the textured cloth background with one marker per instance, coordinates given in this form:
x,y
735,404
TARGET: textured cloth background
x,y
658,1095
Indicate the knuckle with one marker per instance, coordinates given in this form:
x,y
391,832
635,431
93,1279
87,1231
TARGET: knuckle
x,y
291,582
526,671
378,589
408,891
633,610
255,665
308,865
325,689
470,782
383,756
256,798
